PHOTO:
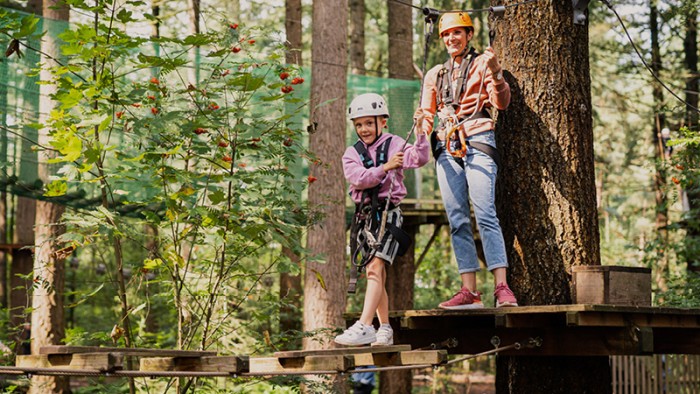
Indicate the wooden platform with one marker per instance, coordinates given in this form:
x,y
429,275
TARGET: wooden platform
x,y
564,330
162,362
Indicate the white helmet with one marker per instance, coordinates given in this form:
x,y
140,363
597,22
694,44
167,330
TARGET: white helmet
x,y
368,104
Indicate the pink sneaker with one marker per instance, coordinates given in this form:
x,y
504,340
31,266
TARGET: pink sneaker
x,y
464,299
504,296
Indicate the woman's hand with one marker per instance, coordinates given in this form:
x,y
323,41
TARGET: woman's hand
x,y
492,61
396,161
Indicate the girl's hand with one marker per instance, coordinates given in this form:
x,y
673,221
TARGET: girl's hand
x,y
419,117
396,161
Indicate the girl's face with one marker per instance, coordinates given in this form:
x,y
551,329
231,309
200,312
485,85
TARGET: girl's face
x,y
367,128
456,40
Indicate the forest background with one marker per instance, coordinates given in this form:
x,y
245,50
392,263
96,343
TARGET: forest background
x,y
185,159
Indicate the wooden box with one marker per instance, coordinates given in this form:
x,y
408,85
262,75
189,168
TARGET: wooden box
x,y
614,285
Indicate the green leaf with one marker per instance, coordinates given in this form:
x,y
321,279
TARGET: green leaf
x,y
29,25
248,82
56,188
320,280
216,197
124,16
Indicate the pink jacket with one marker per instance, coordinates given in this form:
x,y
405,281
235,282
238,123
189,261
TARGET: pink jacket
x,y
493,94
361,178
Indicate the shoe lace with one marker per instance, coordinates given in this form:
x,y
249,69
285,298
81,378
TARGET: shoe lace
x,y
504,289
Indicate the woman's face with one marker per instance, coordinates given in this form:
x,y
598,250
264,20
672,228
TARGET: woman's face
x,y
456,40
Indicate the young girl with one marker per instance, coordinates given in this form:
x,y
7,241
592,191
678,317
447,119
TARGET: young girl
x,y
374,168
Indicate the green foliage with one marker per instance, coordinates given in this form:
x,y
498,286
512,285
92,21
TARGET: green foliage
x,y
201,157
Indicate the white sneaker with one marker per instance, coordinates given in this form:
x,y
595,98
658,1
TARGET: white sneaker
x,y
357,335
385,336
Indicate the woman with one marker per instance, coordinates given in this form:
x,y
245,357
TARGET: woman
x,y
461,92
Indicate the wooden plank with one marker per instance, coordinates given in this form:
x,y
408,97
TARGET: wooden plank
x,y
57,349
343,351
336,362
412,357
229,364
92,361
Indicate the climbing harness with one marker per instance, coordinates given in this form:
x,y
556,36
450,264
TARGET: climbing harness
x,y
370,215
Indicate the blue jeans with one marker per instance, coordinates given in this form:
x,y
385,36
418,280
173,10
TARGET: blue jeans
x,y
475,182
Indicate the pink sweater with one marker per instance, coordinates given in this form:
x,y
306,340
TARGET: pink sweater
x,y
493,94
361,178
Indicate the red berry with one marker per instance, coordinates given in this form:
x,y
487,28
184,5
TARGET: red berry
x,y
155,81
242,165
137,105
154,110
236,49
297,81
213,106
251,42
227,158
675,180
200,130
284,75
223,144
120,114
233,25
288,142
311,179
151,97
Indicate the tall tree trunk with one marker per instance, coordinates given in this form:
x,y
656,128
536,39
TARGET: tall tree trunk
x,y
659,123
290,285
4,233
194,12
400,277
357,36
324,283
48,324
692,86
546,189
25,208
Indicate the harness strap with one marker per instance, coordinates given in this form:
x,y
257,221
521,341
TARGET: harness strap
x,y
446,95
480,146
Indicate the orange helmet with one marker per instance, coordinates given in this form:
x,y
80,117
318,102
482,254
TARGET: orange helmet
x,y
450,20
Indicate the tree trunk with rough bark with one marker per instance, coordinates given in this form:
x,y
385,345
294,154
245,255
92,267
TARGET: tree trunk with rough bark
x,y
659,122
357,36
48,323
546,190
401,275
692,86
290,285
324,283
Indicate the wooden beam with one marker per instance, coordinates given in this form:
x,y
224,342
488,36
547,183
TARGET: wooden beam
x,y
229,364
57,349
339,363
412,357
94,361
343,351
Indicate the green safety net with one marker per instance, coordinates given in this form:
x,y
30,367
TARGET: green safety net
x,y
20,106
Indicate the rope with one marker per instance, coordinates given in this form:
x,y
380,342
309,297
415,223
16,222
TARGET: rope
x,y
636,50
11,370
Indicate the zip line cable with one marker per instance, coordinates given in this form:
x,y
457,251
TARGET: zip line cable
x,y
646,65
